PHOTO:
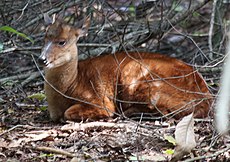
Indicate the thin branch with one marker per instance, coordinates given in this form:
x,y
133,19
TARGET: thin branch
x,y
9,130
23,10
85,126
32,76
21,76
210,70
209,156
210,33
54,150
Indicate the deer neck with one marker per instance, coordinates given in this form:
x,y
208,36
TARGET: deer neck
x,y
63,77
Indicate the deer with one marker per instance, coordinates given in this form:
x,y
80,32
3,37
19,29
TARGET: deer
x,y
125,83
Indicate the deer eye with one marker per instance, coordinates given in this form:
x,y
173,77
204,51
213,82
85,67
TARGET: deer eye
x,y
61,43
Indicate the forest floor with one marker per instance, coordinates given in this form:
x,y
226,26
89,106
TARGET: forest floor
x,y
27,134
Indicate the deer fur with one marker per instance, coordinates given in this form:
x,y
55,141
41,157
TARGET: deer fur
x,y
123,82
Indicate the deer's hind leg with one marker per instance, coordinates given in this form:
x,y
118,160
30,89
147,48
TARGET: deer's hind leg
x,y
179,104
169,102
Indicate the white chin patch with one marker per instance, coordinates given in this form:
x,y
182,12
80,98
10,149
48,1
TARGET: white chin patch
x,y
49,65
68,57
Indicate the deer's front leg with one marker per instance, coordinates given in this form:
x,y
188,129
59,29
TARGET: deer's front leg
x,y
79,112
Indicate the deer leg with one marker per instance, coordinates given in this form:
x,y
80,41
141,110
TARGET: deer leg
x,y
79,112
179,104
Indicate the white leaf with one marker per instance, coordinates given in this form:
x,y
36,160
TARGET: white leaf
x,y
223,100
185,136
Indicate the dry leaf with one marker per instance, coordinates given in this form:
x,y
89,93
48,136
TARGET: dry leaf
x,y
148,156
3,143
185,137
31,136
37,135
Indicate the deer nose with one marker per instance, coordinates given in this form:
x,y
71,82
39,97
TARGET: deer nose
x,y
42,60
43,57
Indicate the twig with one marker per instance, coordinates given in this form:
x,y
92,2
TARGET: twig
x,y
210,70
1,154
23,10
21,76
209,156
40,47
84,126
17,126
25,127
211,29
8,50
136,128
54,150
30,78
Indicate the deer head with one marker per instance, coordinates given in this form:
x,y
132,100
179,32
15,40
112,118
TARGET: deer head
x,y
60,41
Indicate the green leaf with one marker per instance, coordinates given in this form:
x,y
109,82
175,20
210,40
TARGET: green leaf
x,y
195,14
12,30
39,96
177,7
46,155
132,9
170,139
43,108
168,151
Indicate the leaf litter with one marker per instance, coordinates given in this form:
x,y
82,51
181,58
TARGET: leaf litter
x,y
103,140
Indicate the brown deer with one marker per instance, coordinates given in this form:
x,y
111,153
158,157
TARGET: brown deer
x,y
132,82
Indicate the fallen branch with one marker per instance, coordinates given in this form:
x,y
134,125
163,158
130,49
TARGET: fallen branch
x,y
84,126
24,127
7,131
1,154
210,70
8,50
54,150
20,76
31,78
209,156
127,127
12,49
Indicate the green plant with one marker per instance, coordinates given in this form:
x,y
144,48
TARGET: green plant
x,y
12,30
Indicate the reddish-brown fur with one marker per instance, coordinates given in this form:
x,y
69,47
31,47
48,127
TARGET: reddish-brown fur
x,y
141,82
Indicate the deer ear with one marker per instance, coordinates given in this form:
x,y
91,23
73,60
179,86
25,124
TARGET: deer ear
x,y
84,29
48,20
